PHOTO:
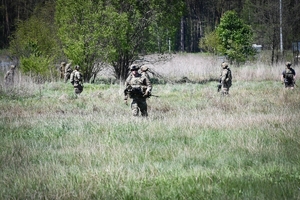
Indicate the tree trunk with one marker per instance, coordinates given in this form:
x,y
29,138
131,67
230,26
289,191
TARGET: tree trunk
x,y
182,35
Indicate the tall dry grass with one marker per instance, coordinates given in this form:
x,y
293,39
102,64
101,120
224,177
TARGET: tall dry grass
x,y
198,67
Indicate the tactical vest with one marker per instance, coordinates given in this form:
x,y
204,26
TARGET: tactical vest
x,y
228,78
135,86
76,78
229,74
288,74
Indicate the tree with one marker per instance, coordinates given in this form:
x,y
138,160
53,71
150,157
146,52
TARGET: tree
x,y
209,42
114,31
79,25
234,38
35,44
264,17
13,11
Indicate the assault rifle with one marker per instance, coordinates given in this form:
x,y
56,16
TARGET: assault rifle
x,y
285,81
219,86
151,95
129,91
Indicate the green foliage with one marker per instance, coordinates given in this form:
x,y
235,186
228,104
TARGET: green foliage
x,y
114,32
209,42
38,67
34,37
234,38
85,30
36,45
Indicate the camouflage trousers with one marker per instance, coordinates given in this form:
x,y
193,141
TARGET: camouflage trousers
x,y
78,89
67,76
289,84
225,89
139,104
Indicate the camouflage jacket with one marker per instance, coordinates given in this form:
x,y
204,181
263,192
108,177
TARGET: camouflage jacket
x,y
226,77
136,86
288,74
76,78
9,76
68,69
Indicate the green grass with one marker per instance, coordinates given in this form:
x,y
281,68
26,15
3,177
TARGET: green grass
x,y
194,144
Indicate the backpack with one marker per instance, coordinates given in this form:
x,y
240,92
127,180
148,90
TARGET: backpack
x,y
228,77
72,76
288,74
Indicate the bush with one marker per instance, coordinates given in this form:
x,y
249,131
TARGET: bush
x,y
38,67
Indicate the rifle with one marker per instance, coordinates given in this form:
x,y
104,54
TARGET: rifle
x,y
133,91
126,92
151,95
219,86
129,89
294,82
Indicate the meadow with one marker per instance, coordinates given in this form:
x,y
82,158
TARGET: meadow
x,y
195,143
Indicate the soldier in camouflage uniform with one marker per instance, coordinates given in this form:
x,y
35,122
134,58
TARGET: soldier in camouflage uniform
x,y
9,76
138,88
76,80
225,79
68,71
62,69
144,70
288,76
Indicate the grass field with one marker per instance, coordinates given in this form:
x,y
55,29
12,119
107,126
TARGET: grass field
x,y
195,144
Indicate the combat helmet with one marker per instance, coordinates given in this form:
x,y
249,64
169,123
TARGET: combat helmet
x,y
144,68
288,64
134,67
224,65
63,63
77,67
12,66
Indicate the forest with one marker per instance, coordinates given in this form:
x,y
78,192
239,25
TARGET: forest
x,y
115,32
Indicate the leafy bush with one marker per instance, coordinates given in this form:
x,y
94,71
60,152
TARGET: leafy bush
x,y
235,38
38,67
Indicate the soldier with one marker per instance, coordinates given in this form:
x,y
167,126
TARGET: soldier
x,y
288,76
68,71
76,80
225,79
138,88
144,70
62,69
9,76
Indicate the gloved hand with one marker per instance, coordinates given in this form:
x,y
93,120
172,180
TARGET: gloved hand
x,y
147,94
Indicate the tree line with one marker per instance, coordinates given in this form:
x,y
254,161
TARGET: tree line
x,y
93,33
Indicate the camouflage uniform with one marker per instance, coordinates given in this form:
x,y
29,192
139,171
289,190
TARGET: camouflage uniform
x,y
62,69
288,76
138,89
225,79
144,70
9,76
76,80
68,71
